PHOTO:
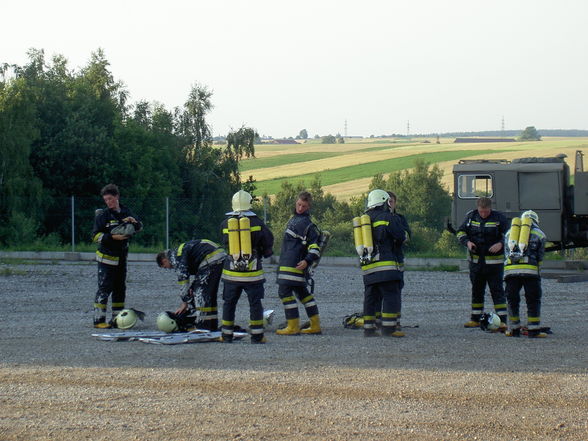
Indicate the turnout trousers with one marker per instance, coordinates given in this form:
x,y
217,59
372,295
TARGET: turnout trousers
x,y
288,295
532,286
482,274
111,280
384,295
231,294
204,302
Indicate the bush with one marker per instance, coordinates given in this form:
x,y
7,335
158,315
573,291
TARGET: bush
x,y
447,245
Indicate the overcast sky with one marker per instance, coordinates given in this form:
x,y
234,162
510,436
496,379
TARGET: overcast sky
x,y
280,67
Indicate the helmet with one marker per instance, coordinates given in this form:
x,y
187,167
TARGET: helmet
x,y
489,322
530,214
377,197
126,319
268,317
241,201
166,323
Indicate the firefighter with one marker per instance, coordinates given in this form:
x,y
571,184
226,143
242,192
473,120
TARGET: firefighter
x,y
112,254
300,248
204,260
381,266
521,270
482,232
249,241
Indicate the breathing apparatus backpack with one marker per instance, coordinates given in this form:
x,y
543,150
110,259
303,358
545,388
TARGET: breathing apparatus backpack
x,y
240,248
518,238
362,236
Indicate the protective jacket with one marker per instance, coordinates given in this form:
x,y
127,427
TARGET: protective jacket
x,y
262,241
388,235
110,251
483,233
195,258
300,243
527,265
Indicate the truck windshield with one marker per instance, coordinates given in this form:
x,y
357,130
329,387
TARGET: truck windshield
x,y
474,186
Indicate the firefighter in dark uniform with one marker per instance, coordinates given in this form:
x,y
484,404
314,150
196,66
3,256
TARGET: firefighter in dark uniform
x,y
203,259
521,270
299,250
383,272
248,243
111,255
482,232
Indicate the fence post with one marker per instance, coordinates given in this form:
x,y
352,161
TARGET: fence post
x,y
167,223
73,226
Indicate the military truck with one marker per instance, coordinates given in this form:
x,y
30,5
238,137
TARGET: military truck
x,y
538,184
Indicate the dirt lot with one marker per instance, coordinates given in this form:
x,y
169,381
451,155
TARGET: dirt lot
x,y
439,382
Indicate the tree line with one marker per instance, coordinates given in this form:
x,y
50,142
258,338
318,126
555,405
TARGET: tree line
x,y
66,132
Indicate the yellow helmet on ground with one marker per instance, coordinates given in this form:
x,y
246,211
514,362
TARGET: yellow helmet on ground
x,y
165,323
377,197
126,319
531,215
241,201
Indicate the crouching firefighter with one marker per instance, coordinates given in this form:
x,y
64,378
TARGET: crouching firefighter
x,y
301,250
379,236
248,240
204,260
524,249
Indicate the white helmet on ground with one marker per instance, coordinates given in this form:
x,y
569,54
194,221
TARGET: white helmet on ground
x,y
530,214
241,201
489,322
165,323
126,319
377,197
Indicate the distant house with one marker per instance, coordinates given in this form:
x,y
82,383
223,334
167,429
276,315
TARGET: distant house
x,y
484,140
281,141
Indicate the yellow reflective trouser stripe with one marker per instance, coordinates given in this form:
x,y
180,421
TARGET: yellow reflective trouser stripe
x,y
100,306
379,223
533,319
238,274
181,249
500,306
379,264
477,305
228,323
256,322
207,309
307,299
288,299
369,317
105,258
182,282
291,270
498,257
513,267
118,305
390,314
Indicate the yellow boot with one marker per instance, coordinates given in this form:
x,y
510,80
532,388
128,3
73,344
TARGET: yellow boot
x,y
315,326
293,328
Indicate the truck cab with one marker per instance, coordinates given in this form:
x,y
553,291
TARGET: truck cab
x,y
538,184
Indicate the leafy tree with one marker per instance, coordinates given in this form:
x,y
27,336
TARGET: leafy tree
x,y
530,134
303,134
329,139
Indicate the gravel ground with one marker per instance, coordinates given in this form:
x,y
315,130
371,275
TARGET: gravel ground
x,y
439,382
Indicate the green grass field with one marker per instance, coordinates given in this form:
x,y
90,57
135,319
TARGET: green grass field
x,y
366,170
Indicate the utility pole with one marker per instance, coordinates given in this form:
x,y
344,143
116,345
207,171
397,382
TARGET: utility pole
x,y
502,127
408,129
345,131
